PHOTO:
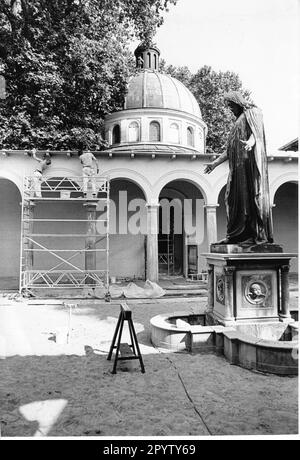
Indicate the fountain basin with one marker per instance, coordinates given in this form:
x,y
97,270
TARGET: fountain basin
x,y
267,347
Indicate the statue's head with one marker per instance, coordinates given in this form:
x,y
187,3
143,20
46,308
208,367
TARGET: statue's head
x,y
236,102
255,289
235,108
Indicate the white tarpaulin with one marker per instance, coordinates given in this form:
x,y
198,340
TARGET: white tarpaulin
x,y
149,291
133,291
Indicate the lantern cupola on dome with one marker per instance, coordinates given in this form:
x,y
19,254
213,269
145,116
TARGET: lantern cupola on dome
x,y
147,57
159,111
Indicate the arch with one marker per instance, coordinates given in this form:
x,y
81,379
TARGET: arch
x,y
154,132
196,179
14,178
126,179
63,172
286,177
116,134
285,219
133,176
171,192
174,133
10,233
128,227
133,132
190,137
182,223
218,187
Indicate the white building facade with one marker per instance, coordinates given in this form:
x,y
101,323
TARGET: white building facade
x,y
155,156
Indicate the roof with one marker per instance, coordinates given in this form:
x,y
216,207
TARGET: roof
x,y
150,89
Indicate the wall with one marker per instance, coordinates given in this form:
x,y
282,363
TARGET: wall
x,y
180,189
221,216
10,230
57,210
152,175
127,251
285,219
127,256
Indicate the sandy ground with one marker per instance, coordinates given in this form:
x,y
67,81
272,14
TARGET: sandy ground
x,y
50,388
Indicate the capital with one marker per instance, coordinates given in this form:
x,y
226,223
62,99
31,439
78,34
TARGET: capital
x,y
152,205
211,206
229,271
285,268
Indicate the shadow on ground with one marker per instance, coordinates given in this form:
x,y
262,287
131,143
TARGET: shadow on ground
x,y
230,400
48,389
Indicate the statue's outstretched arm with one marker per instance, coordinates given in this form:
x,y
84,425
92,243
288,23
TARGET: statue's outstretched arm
x,y
210,167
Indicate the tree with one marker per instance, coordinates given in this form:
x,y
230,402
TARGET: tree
x,y
182,74
66,64
209,87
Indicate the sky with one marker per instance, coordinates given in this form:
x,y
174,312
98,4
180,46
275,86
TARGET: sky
x,y
258,39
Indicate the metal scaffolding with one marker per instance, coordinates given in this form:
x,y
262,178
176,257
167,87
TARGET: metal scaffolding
x,y
63,266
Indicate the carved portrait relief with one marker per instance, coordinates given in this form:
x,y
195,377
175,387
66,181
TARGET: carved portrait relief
x,y
256,292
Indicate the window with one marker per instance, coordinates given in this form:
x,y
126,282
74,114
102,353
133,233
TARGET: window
x,y
116,135
190,136
174,133
154,135
134,132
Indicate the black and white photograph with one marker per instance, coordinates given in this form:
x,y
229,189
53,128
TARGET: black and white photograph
x,y
149,222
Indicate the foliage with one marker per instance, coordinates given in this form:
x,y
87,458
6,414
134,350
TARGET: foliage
x,y
66,63
209,87
182,74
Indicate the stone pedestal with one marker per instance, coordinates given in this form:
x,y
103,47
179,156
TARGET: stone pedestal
x,y
247,286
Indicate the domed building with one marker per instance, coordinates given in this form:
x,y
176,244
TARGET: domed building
x,y
159,111
161,127
164,211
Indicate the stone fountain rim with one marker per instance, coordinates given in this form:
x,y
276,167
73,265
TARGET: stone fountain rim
x,y
231,332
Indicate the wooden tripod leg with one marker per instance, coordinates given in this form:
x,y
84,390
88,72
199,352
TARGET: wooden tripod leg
x,y
131,326
114,339
132,339
118,345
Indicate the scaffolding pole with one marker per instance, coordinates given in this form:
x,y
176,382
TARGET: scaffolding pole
x,y
55,246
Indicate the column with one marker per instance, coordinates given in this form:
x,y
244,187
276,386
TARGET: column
x,y
27,244
211,223
285,294
152,241
90,261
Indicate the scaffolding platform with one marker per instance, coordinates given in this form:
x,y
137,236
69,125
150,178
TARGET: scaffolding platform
x,y
52,254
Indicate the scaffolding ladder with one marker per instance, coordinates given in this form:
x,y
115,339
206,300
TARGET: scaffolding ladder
x,y
59,260
166,255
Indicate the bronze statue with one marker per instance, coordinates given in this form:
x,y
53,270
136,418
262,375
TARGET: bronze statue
x,y
247,201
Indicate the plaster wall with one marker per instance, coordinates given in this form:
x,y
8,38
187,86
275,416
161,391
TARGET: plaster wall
x,y
151,176
10,225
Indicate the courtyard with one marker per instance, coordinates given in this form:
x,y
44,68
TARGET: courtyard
x,y
57,389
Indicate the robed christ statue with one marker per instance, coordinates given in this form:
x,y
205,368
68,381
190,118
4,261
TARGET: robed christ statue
x,y
249,219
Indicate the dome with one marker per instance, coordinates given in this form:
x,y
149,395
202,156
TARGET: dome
x,y
150,89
